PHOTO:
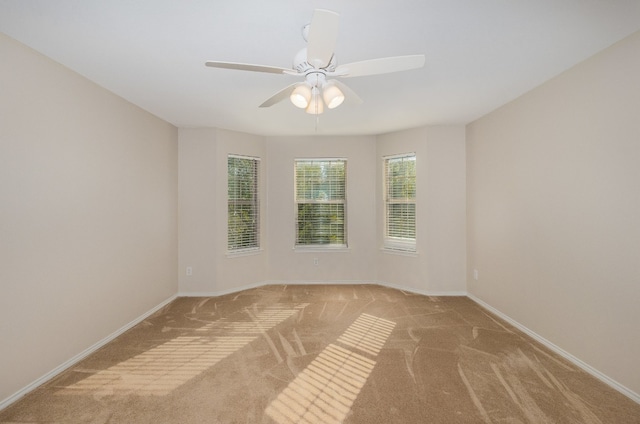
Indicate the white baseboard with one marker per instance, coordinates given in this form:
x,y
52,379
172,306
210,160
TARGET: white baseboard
x,y
222,292
422,292
80,356
319,282
569,357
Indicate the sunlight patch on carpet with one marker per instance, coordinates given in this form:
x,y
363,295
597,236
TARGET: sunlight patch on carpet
x,y
162,369
325,391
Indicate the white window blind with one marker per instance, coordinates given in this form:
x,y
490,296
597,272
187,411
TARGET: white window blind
x,y
400,202
320,196
243,220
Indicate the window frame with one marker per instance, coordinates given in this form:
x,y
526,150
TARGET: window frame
x,y
395,243
297,245
253,201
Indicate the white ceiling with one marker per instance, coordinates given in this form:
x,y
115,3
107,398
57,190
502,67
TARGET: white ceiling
x,y
480,54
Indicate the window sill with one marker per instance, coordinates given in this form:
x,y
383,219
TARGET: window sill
x,y
399,252
314,249
243,252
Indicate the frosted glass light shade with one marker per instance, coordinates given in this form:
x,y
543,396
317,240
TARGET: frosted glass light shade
x,y
332,95
316,106
301,95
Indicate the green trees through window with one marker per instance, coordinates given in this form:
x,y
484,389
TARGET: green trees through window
x,y
320,188
243,229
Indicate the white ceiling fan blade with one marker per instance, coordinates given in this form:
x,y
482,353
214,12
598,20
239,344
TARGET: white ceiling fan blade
x,y
249,67
383,65
323,34
349,94
279,96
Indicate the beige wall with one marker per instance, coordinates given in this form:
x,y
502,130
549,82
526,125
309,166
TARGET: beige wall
x,y
88,214
438,267
553,183
203,212
355,264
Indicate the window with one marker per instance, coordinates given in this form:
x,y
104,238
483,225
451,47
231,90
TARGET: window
x,y
400,202
320,198
243,220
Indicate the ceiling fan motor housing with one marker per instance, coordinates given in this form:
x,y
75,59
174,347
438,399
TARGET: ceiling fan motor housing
x,y
302,66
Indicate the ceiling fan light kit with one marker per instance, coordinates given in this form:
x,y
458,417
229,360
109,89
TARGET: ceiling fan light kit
x,y
308,92
317,61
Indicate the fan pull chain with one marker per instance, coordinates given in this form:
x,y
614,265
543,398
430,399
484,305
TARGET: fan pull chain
x,y
318,99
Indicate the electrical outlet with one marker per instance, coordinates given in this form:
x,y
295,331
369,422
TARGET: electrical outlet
x,y
189,271
475,274
315,261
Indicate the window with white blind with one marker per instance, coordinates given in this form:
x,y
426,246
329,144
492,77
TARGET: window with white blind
x,y
243,220
400,202
320,196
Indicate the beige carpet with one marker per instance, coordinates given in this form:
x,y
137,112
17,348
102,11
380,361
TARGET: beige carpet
x,y
323,354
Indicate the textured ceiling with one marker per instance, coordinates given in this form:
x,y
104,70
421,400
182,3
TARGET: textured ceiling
x,y
479,54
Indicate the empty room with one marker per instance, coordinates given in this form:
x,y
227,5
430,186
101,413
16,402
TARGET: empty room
x,y
290,212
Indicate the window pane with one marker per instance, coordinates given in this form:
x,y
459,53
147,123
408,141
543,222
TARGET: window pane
x,y
243,226
401,219
320,201
400,202
242,178
401,178
320,180
320,223
243,206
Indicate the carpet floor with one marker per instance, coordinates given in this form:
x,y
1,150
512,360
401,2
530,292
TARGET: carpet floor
x,y
323,354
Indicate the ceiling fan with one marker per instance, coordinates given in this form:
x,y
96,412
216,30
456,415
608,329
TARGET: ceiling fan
x,y
317,62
